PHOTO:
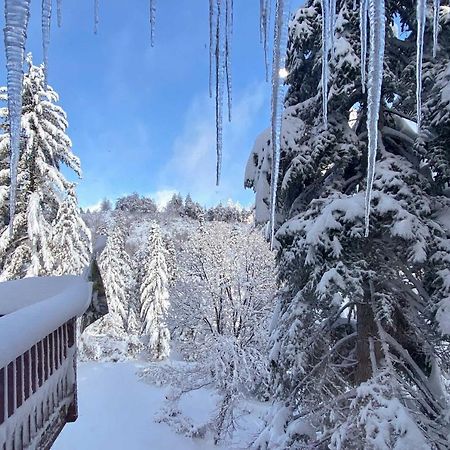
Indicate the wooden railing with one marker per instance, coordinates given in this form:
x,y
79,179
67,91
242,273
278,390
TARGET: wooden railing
x,y
38,391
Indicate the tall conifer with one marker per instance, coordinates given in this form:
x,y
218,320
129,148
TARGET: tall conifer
x,y
361,331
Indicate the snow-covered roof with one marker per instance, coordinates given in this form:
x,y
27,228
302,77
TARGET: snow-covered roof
x,y
35,307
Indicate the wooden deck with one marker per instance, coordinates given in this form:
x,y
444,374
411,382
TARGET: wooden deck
x,y
38,346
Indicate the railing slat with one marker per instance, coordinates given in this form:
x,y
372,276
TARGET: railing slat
x,y
51,361
26,375
65,339
34,368
61,344
11,391
19,382
40,363
56,349
71,332
3,396
46,359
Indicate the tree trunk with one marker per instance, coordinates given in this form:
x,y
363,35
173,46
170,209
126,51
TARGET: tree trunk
x,y
367,332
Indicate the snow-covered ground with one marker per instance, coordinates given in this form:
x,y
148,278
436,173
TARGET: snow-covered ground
x,y
117,411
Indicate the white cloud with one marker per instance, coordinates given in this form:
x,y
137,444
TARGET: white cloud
x,y
192,164
94,207
162,197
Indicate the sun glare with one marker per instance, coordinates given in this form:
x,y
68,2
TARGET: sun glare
x,y
283,73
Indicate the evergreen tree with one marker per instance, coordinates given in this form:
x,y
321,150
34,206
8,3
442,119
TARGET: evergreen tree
x,y
41,185
361,329
71,240
105,205
155,296
117,277
192,209
171,259
175,206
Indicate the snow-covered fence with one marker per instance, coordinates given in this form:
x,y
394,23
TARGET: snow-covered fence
x,y
38,358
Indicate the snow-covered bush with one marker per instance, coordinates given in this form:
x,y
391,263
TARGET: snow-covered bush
x,y
101,342
135,204
221,307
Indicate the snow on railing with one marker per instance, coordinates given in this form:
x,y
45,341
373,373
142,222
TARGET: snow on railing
x,y
15,295
37,359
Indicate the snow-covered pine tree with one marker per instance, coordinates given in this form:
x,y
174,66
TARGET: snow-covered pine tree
x,y
175,207
436,107
171,259
361,331
71,239
105,205
45,146
192,209
155,296
115,267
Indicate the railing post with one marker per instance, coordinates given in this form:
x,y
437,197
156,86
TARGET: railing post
x,y
72,413
3,396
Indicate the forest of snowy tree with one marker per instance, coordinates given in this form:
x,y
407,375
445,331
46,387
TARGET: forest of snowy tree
x,y
191,283
340,325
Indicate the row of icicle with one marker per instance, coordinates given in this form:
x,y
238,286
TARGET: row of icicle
x,y
17,14
373,12
220,39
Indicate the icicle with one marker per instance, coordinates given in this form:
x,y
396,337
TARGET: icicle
x,y
264,21
211,44
279,55
46,18
219,64
375,81
228,43
17,13
268,9
96,7
436,7
152,21
421,8
363,37
325,51
220,21
59,11
261,20
332,24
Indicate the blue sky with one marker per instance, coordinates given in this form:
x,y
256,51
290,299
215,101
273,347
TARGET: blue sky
x,y
140,117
